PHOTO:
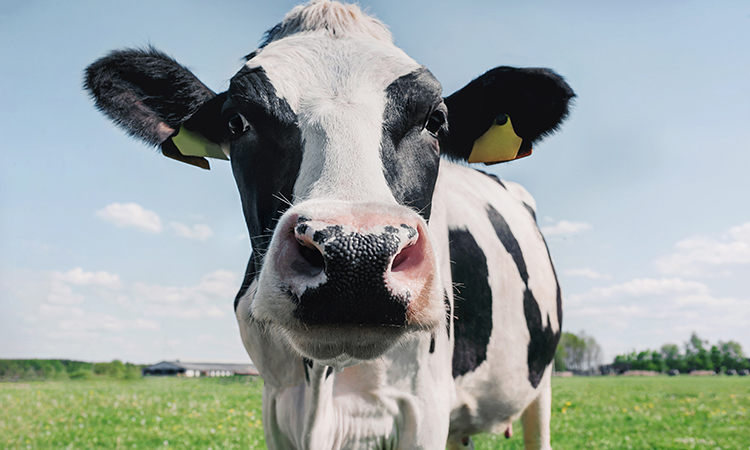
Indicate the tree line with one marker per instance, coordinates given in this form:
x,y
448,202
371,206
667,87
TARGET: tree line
x,y
64,369
697,355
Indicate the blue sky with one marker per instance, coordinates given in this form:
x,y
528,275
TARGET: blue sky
x,y
109,250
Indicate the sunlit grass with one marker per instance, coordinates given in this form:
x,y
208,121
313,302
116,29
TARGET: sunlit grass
x,y
644,413
149,413
598,412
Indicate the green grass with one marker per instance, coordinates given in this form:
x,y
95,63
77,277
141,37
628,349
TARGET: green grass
x,y
599,412
644,413
146,413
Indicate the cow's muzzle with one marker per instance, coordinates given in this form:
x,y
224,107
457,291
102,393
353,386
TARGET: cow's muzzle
x,y
363,282
349,279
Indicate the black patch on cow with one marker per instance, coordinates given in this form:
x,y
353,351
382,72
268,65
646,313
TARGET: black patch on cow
x,y
472,300
559,293
432,344
535,99
246,282
307,364
543,341
530,210
266,159
411,155
494,178
355,290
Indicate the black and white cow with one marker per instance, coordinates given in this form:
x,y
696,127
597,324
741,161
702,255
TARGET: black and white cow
x,y
394,299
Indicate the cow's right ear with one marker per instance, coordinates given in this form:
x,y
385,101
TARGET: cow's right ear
x,y
500,115
159,101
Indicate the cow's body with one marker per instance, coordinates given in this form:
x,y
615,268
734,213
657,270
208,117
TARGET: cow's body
x,y
392,301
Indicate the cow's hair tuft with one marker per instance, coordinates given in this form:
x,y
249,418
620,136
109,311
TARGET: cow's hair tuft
x,y
336,19
146,92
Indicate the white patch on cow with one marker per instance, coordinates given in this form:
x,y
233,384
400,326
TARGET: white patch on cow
x,y
336,87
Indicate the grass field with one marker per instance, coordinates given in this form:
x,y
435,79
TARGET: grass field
x,y
598,412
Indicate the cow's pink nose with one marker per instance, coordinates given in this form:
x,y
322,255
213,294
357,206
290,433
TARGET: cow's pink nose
x,y
350,275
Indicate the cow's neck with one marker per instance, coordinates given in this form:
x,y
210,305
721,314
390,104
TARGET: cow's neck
x,y
359,403
387,401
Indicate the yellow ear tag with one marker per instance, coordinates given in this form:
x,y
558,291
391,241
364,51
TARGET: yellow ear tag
x,y
500,143
190,143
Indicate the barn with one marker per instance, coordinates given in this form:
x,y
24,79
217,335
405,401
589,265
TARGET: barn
x,y
198,369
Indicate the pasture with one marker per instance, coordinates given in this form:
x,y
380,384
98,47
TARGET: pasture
x,y
597,412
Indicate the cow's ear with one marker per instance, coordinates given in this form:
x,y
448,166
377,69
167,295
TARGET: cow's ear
x,y
499,116
157,100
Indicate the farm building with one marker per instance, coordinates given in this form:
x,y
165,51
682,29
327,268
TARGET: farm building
x,y
198,369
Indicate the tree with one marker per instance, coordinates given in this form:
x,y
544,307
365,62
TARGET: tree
x,y
716,358
698,358
560,355
577,353
732,356
670,351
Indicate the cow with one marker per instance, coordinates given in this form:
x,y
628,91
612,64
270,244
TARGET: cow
x,y
395,297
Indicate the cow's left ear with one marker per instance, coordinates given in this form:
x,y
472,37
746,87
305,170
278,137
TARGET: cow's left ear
x,y
500,115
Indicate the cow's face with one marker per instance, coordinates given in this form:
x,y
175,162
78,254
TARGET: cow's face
x,y
334,136
345,130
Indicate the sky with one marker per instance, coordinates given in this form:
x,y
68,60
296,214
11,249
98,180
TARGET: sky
x,y
110,251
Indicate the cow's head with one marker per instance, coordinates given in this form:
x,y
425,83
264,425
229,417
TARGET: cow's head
x,y
334,136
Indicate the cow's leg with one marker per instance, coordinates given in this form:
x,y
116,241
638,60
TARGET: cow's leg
x,y
536,417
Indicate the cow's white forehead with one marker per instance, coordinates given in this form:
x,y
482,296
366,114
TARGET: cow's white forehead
x,y
313,67
337,88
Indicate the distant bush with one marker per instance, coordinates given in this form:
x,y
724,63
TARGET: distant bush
x,y
81,374
62,369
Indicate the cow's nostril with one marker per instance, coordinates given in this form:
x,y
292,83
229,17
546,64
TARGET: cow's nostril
x,y
402,257
311,255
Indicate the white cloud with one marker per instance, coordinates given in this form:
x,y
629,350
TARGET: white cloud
x,y
199,231
565,227
62,294
186,312
131,215
643,287
586,273
60,311
107,322
78,320
695,254
220,283
79,277
191,302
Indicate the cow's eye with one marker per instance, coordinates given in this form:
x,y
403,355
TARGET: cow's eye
x,y
237,124
435,122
